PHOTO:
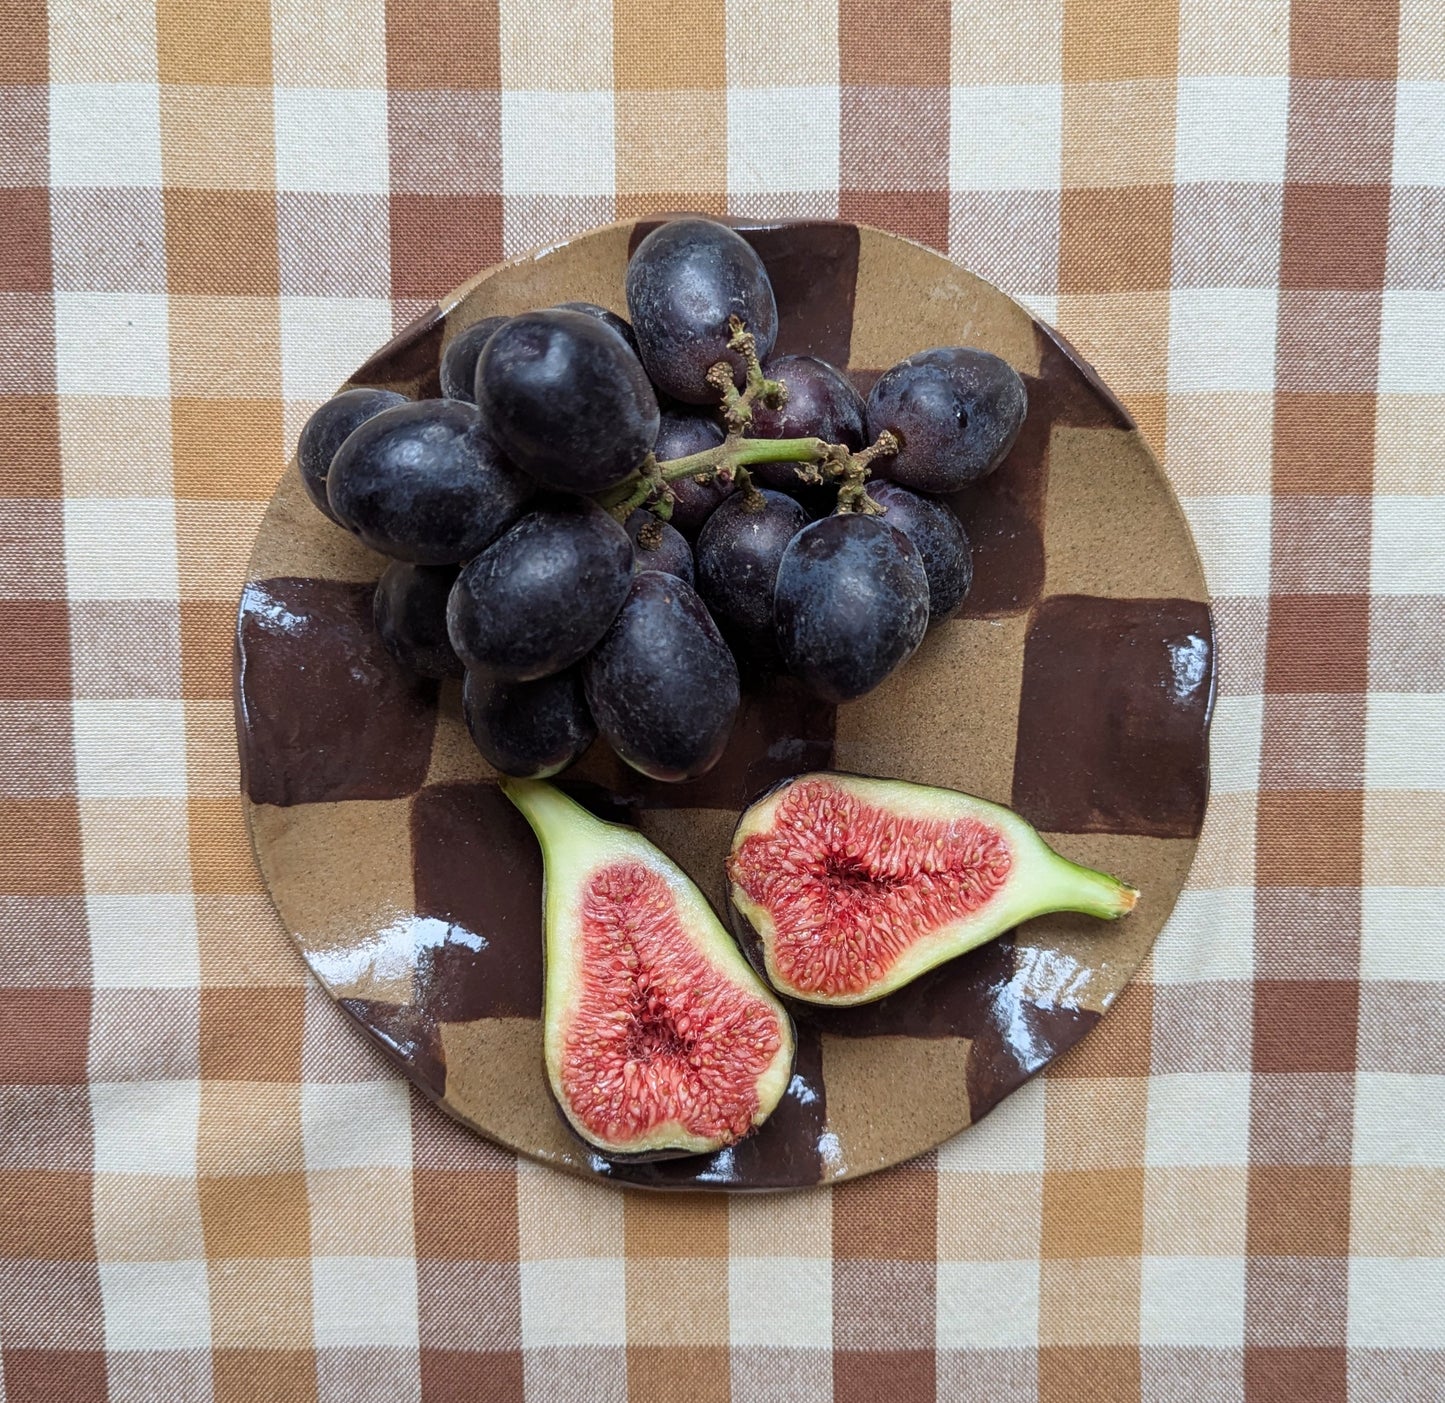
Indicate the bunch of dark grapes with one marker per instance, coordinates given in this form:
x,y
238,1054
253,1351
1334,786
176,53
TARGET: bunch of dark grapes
x,y
608,527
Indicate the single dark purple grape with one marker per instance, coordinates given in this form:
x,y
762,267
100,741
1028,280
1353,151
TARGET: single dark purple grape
x,y
680,436
851,604
685,280
459,360
662,684
328,428
423,482
410,611
662,547
528,729
821,403
737,560
608,319
541,595
567,400
955,411
941,540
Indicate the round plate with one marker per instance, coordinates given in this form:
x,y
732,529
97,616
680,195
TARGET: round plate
x,y
1076,686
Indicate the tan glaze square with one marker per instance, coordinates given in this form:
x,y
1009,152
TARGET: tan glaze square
x,y
880,1128
698,841
495,1077
292,543
904,302
966,674
316,840
1100,485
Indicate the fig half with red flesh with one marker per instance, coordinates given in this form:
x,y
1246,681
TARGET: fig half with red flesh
x,y
658,1037
853,887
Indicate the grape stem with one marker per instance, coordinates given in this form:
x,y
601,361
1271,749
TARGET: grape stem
x,y
818,461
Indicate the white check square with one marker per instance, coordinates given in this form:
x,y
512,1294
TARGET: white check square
x,y
1231,129
780,1301
1412,344
1419,143
156,1305
143,941
988,1305
573,1301
1396,1302
1402,931
323,339
1192,1301
145,1127
782,139
1407,554
1197,1118
1400,1119
364,1301
332,140
1222,338
1209,938
112,343
557,143
131,749
356,1124
1403,740
1005,136
105,134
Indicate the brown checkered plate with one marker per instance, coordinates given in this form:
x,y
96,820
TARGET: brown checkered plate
x,y
1075,685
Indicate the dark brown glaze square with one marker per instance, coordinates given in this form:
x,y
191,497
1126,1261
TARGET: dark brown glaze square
x,y
781,730
1004,514
814,272
325,714
478,877
1112,716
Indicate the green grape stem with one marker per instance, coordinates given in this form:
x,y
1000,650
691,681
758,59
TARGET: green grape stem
x,y
816,460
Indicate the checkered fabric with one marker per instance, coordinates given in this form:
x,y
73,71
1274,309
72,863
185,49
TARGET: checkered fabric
x,y
212,1188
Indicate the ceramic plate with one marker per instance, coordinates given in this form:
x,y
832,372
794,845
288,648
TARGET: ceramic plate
x,y
1075,685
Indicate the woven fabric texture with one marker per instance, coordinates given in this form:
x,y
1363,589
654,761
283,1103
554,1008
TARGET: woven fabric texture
x,y
212,1188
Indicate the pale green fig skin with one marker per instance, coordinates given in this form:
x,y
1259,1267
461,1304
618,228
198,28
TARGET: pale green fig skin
x,y
1040,881
575,843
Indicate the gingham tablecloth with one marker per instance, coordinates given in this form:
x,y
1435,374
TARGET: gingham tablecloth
x,y
211,1187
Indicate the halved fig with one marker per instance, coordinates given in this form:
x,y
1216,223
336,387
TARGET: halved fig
x,y
850,888
658,1037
